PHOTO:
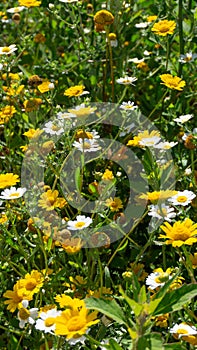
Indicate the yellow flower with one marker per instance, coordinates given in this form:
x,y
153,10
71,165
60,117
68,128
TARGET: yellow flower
x,y
75,321
108,175
6,113
112,36
193,259
32,104
180,233
29,3
50,200
39,38
143,66
16,296
114,203
14,89
164,27
8,179
100,293
72,246
11,76
142,136
161,321
45,86
151,18
171,82
77,90
33,133
138,270
103,17
156,195
32,282
3,218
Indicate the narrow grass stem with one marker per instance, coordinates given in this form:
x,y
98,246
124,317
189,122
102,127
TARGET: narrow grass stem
x,y
181,40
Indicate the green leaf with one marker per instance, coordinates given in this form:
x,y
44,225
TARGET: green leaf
x,y
150,342
142,295
175,299
135,306
174,346
107,307
78,179
114,345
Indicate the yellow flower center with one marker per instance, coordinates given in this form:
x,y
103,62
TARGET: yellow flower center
x,y
49,321
55,128
181,199
162,278
31,284
164,28
182,234
15,194
80,224
182,331
75,323
6,49
24,314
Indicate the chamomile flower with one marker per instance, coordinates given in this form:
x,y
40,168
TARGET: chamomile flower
x,y
162,212
46,322
12,193
165,145
188,57
26,315
183,118
126,80
7,50
158,278
16,9
86,145
183,329
54,128
182,198
128,106
80,223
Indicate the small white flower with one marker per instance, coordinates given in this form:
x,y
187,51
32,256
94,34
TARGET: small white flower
x,y
13,193
165,145
142,25
16,9
149,141
65,115
7,50
182,198
183,118
188,171
162,212
86,145
54,128
147,53
183,329
46,322
136,60
157,279
128,105
26,315
188,57
79,224
126,80
68,1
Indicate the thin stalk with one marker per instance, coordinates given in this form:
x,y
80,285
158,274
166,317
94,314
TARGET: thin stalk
x,y
181,40
111,63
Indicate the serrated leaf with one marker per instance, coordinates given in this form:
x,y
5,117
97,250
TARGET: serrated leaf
x,y
175,299
107,307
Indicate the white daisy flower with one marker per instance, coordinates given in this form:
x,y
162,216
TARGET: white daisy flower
x,y
46,322
162,212
128,105
183,329
188,57
126,80
182,198
80,223
16,9
188,171
12,193
142,25
157,279
65,115
165,145
26,315
136,60
149,141
54,128
86,145
183,118
68,1
7,50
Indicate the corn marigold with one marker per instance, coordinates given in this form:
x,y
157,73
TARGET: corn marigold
x,y
180,233
29,3
8,179
75,91
171,82
50,200
103,17
164,27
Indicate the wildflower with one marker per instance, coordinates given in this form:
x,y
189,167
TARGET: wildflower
x,y
156,195
46,322
171,82
183,118
45,86
6,113
145,139
39,38
74,322
16,9
77,90
183,329
12,193
3,218
188,57
7,50
114,203
82,110
128,106
161,321
159,277
11,76
13,89
182,198
108,175
138,270
193,259
34,80
32,282
32,104
164,27
126,80
180,233
68,1
33,133
113,39
162,212
102,292
86,145
151,18
103,17
26,316
86,134
72,246
165,145
189,141
16,296
142,25
8,179
54,128
29,3
50,200
80,223
143,66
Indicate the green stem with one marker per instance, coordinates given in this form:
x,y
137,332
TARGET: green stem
x,y
111,63
167,53
181,40
157,105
